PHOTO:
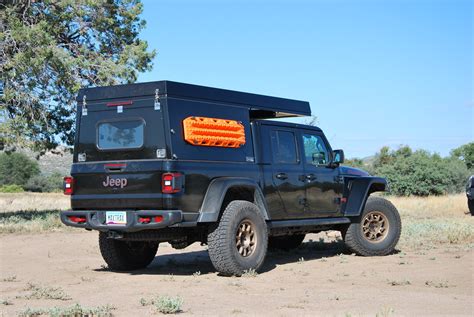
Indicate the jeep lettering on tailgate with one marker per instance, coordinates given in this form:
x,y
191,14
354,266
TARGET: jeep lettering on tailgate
x,y
115,182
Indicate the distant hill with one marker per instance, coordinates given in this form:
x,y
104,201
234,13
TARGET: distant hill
x,y
58,160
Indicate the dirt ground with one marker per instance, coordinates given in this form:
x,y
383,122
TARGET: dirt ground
x,y
315,279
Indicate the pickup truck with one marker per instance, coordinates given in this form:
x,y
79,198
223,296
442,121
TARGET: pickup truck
x,y
172,162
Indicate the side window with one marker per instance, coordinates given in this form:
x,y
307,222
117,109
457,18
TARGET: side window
x,y
315,150
284,147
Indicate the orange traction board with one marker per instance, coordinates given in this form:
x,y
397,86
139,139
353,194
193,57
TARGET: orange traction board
x,y
204,131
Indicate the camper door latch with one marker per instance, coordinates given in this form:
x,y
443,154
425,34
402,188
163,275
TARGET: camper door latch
x,y
84,106
157,100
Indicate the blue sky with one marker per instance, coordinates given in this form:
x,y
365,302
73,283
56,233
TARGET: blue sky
x,y
375,72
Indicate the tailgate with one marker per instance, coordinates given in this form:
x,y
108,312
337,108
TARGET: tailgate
x,y
117,185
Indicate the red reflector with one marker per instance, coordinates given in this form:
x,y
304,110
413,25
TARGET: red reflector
x,y
77,219
68,185
119,103
158,218
344,200
144,219
171,183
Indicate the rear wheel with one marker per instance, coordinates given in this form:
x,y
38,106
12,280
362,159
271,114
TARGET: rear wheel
x,y
285,243
378,230
126,255
239,241
470,204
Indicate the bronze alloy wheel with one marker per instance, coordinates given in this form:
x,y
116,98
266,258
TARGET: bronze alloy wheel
x,y
239,241
246,239
375,226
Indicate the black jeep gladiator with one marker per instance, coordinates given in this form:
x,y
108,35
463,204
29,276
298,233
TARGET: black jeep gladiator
x,y
172,162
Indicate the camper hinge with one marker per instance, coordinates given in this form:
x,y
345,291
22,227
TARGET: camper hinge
x,y
157,100
84,106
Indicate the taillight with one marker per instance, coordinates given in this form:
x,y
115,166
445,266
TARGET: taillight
x,y
147,220
68,185
171,183
77,219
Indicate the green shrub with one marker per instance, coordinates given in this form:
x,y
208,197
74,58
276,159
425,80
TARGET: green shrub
x,y
45,184
16,168
355,162
75,310
11,189
421,173
164,304
465,153
169,305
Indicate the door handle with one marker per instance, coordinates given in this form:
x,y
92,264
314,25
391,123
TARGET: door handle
x,y
281,176
311,177
119,167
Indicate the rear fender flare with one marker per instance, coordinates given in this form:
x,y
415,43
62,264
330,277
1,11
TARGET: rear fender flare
x,y
214,198
359,190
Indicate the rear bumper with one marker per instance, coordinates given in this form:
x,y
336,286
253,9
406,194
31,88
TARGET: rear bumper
x,y
95,219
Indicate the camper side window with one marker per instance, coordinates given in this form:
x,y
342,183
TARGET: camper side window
x,y
120,134
284,147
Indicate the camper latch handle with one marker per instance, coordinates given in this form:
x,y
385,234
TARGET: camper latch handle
x,y
157,100
84,106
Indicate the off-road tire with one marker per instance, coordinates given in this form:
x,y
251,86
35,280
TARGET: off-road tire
x,y
222,239
357,242
126,255
285,243
470,204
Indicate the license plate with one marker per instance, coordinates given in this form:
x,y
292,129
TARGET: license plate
x,y
115,218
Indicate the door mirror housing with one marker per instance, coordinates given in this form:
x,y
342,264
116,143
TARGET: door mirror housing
x,y
319,158
337,157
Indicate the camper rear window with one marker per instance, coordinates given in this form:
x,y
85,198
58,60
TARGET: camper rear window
x,y
120,134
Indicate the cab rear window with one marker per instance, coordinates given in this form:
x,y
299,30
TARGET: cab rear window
x,y
120,134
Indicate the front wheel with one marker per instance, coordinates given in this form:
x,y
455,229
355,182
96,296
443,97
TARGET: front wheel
x,y
378,230
126,255
470,204
239,241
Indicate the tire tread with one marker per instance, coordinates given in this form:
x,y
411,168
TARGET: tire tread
x,y
112,253
352,237
221,256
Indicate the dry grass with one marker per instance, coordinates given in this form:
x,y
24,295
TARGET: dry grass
x,y
431,221
32,212
31,222
46,292
452,206
33,201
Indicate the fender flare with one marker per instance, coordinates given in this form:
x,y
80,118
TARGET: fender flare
x,y
359,190
215,194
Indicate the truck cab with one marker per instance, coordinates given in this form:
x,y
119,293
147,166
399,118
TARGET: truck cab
x,y
179,163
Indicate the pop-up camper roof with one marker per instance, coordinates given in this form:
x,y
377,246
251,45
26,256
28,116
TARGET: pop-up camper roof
x,y
260,106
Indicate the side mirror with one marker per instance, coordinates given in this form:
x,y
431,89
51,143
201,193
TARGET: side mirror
x,y
338,157
319,158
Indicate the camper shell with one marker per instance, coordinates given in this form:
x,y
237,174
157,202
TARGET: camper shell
x,y
161,107
166,161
